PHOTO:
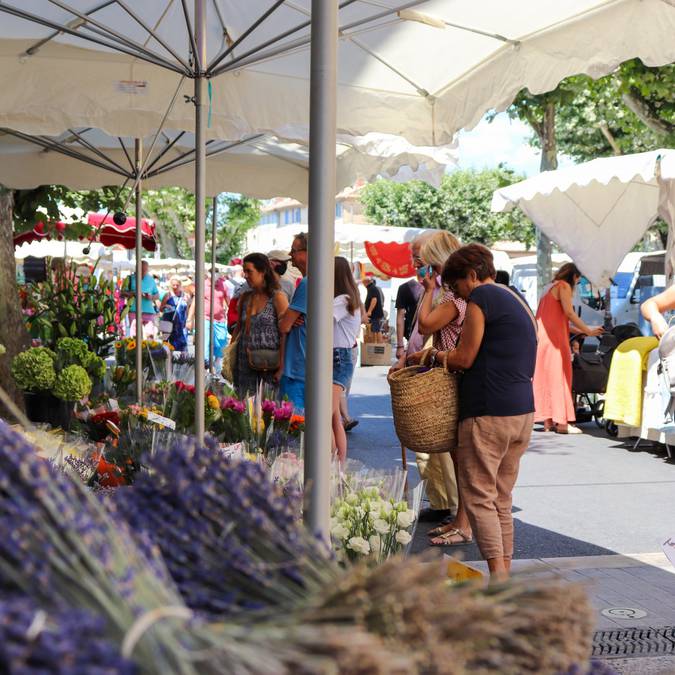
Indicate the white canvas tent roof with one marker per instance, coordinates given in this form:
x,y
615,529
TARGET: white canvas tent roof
x,y
597,211
262,166
418,68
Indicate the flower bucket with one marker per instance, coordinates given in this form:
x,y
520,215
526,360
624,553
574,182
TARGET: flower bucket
x,y
45,408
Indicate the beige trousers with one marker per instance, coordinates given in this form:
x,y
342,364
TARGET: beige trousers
x,y
439,472
489,451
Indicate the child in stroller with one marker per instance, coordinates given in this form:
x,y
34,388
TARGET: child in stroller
x,y
590,372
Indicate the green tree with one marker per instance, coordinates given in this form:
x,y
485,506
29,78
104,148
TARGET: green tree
x,y
630,110
461,205
236,216
173,211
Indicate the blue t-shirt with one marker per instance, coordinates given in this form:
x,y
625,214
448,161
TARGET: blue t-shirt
x,y
148,285
294,358
500,380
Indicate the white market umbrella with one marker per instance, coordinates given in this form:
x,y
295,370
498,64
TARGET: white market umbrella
x,y
597,211
418,68
259,166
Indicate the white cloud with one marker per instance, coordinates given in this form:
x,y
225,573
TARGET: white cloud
x,y
501,141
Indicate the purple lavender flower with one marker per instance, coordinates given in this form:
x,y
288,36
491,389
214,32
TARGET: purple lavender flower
x,y
38,642
230,539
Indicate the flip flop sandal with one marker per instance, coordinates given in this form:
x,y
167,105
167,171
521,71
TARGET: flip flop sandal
x,y
436,531
452,533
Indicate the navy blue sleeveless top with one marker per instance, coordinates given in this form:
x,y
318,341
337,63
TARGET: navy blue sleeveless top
x,y
500,380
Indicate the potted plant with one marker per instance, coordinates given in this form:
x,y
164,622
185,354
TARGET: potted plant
x,y
53,381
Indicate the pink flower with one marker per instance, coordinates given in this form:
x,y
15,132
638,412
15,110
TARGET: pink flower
x,y
268,406
99,321
111,329
284,411
239,407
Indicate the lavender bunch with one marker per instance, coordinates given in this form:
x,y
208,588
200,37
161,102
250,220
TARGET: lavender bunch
x,y
63,642
230,538
59,545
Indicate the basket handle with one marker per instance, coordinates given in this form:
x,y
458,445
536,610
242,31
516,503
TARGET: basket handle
x,y
425,355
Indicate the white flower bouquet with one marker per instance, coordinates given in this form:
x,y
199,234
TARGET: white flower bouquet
x,y
369,516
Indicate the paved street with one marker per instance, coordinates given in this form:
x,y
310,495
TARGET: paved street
x,y
588,508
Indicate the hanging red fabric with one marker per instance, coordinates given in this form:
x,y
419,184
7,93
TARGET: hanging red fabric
x,y
391,258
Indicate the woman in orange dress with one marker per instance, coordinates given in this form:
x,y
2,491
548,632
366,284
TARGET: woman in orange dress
x,y
553,372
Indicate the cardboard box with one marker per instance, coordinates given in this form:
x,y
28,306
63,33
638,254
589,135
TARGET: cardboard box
x,y
376,354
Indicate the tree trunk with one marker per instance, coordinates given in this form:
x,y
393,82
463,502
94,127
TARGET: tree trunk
x,y
549,162
13,334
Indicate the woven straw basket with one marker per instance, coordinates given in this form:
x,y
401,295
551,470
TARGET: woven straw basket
x,y
426,408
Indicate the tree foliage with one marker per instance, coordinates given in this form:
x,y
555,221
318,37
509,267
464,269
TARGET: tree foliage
x,y
236,216
173,211
460,205
630,110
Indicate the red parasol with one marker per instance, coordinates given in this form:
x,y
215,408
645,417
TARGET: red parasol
x,y
391,258
110,233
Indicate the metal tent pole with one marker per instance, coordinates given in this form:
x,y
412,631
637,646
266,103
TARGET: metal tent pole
x,y
138,152
212,329
318,394
200,220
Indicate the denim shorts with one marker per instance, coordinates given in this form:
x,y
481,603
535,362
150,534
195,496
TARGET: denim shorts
x,y
343,366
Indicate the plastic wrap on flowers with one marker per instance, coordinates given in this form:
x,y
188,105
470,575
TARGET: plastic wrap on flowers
x,y
372,515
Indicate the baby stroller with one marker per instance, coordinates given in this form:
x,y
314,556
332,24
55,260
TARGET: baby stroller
x,y
590,372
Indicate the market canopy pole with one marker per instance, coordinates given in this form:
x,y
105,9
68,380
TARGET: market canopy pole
x,y
199,46
212,300
138,151
321,217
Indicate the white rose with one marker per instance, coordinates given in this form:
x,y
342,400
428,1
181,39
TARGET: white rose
x,y
351,499
359,544
386,507
405,519
339,531
381,526
403,537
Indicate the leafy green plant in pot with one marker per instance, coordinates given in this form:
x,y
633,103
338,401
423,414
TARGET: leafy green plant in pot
x,y
35,374
72,384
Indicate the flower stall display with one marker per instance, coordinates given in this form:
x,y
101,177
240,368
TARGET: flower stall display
x,y
67,306
155,358
202,567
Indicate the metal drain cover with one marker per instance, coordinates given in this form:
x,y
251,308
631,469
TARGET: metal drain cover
x,y
624,613
634,642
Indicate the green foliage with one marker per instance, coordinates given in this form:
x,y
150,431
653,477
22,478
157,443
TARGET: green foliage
x,y
33,370
630,110
236,216
43,204
461,205
64,306
72,384
468,195
70,351
173,210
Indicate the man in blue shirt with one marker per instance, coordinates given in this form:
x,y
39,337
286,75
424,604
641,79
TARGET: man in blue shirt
x,y
292,323
149,294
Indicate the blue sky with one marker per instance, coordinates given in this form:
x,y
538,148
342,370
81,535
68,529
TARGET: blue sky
x,y
502,140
